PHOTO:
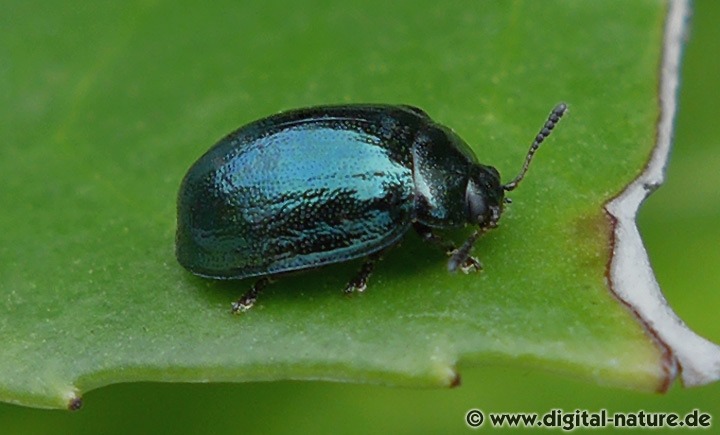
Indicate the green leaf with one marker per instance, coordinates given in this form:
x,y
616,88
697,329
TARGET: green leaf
x,y
105,107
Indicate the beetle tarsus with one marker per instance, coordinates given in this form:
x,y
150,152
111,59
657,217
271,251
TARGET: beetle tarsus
x,y
248,299
470,265
466,263
461,256
359,282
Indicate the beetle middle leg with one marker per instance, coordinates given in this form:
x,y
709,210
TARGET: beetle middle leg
x,y
248,299
458,257
359,281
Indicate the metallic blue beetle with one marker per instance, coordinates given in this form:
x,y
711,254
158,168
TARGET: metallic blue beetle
x,y
323,185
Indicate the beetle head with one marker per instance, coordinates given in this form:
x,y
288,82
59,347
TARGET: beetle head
x,y
484,196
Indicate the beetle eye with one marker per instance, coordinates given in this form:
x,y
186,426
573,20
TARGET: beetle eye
x,y
474,203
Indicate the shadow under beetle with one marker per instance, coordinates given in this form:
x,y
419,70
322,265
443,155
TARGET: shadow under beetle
x,y
328,184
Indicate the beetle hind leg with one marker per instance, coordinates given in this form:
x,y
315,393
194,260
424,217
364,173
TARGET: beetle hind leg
x,y
460,258
250,297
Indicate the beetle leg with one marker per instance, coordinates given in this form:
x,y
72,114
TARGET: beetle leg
x,y
471,264
459,258
427,235
359,282
248,299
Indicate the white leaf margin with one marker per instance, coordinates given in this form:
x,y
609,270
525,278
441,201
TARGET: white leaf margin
x,y
631,276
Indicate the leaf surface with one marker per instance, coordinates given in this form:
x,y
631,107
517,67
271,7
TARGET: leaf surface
x,y
104,109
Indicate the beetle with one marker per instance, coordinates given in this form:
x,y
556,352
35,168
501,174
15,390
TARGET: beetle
x,y
315,186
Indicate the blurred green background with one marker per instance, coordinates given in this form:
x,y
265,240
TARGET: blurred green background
x,y
679,224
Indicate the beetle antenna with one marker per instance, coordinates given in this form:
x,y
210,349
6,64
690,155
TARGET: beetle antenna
x,y
545,131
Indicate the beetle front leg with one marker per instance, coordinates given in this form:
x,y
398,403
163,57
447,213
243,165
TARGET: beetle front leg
x,y
458,257
461,257
359,282
248,299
